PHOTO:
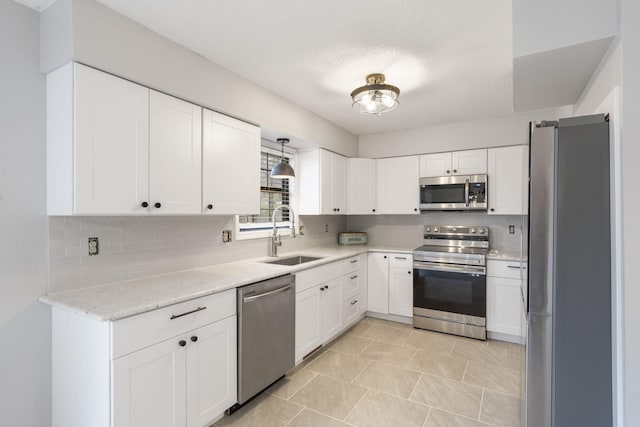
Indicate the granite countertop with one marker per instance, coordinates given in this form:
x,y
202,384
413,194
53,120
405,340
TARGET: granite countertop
x,y
122,299
500,255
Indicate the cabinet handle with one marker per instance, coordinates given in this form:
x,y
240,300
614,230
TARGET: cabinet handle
x,y
158,205
354,277
175,316
326,287
373,210
354,302
448,171
492,209
455,170
385,257
338,209
400,257
415,209
194,338
182,343
354,260
209,207
516,266
144,204
409,272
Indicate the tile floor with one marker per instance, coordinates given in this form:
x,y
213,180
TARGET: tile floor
x,y
382,373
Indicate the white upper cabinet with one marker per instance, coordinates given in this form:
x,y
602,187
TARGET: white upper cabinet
x,y
361,186
321,183
397,185
102,165
507,175
230,165
469,162
175,155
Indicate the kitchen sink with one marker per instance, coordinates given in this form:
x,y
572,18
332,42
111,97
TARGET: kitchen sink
x,y
292,260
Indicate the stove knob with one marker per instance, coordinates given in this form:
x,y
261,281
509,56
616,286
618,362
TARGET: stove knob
x,y
473,230
428,230
436,229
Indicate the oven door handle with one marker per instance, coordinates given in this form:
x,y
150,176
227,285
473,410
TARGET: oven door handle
x,y
463,269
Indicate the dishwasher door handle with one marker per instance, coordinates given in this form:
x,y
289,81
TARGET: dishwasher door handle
x,y
265,294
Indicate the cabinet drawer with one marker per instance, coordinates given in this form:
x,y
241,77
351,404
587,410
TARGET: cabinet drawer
x,y
351,309
307,279
401,260
506,269
136,332
351,285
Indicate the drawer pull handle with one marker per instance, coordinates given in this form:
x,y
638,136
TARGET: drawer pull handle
x,y
194,338
354,302
354,277
175,316
354,260
516,266
400,257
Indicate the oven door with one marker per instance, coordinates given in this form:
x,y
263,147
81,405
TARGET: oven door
x,y
450,292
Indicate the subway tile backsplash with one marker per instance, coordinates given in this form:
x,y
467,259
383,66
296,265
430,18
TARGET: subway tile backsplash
x,y
134,247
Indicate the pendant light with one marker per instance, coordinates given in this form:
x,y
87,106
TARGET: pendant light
x,y
375,97
283,169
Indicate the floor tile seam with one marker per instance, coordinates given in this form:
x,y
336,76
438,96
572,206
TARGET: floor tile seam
x,y
355,406
369,388
329,416
361,371
465,371
434,406
481,403
413,356
446,378
390,364
414,387
315,374
494,366
426,420
493,390
302,408
464,416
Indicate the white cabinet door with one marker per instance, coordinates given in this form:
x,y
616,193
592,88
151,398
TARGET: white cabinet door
x,y
361,186
507,170
398,185
211,371
111,144
331,315
175,155
230,165
432,165
504,306
326,183
308,328
378,283
469,162
149,386
401,285
339,183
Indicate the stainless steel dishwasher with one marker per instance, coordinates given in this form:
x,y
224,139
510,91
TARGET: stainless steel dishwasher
x,y
266,334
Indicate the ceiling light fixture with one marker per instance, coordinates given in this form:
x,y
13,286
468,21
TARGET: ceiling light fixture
x,y
375,97
283,169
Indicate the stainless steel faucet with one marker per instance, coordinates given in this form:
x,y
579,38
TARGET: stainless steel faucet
x,y
275,237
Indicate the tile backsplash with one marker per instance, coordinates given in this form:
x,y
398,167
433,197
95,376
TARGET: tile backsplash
x,y
134,247
406,230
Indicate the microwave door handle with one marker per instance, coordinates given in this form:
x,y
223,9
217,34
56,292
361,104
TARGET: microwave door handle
x,y
466,192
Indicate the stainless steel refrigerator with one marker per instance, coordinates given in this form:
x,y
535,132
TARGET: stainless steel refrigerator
x,y
569,362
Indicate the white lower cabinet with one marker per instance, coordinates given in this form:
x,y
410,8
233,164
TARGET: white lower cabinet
x,y
505,305
390,283
324,297
175,366
401,285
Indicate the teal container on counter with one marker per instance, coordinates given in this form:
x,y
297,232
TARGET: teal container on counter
x,y
352,238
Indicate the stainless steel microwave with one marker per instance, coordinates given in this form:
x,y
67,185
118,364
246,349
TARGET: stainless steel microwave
x,y
454,193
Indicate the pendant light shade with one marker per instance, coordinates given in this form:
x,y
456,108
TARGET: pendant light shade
x,y
375,97
283,169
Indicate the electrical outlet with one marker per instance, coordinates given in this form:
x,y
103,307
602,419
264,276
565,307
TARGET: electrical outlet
x,y
512,229
326,228
226,236
301,230
94,248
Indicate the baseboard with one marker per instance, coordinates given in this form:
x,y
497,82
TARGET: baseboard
x,y
391,317
516,339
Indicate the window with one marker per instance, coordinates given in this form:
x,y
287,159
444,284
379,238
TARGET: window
x,y
273,192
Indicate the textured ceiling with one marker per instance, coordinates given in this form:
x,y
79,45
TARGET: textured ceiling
x,y
451,59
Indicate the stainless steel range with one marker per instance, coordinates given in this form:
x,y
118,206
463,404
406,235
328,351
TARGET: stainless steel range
x,y
449,280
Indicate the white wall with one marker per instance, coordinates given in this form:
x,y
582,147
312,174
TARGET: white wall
x,y
630,155
604,79
502,131
109,41
544,25
24,323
